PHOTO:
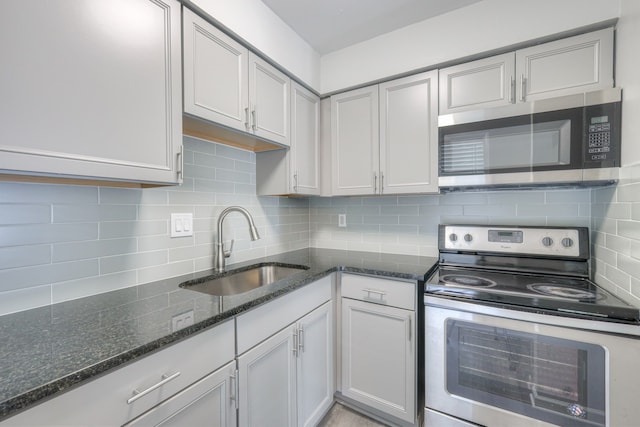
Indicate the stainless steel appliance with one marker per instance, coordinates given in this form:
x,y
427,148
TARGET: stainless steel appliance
x,y
517,334
567,140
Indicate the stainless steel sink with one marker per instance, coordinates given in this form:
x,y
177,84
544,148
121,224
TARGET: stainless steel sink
x,y
243,280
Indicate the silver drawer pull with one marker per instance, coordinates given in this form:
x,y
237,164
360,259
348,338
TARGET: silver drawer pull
x,y
138,394
373,291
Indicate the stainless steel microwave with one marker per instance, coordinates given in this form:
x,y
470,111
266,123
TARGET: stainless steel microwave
x,y
571,140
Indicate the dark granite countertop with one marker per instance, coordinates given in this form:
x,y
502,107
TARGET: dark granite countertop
x,y
48,350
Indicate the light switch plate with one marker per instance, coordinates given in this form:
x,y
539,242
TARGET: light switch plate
x,y
342,220
181,224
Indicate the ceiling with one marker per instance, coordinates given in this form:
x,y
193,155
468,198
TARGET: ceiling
x,y
330,25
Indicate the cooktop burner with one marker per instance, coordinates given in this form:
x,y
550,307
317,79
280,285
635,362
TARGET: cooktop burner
x,y
564,291
468,280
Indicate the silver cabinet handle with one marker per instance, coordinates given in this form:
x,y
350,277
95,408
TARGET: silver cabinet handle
x,y
512,90
247,124
180,161
295,342
381,182
373,291
254,113
409,330
295,182
234,387
523,87
301,339
375,183
138,394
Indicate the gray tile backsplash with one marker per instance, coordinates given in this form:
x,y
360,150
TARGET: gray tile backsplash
x,y
62,242
615,226
408,224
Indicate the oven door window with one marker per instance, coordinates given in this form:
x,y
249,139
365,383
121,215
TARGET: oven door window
x,y
543,141
546,378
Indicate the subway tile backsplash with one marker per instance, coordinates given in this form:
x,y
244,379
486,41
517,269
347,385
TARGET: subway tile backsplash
x,y
409,224
63,242
615,226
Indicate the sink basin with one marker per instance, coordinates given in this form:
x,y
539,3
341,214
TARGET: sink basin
x,y
243,280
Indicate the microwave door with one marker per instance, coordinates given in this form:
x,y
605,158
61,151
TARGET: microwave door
x,y
518,146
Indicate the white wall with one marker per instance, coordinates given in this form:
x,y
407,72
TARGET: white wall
x,y
254,22
481,27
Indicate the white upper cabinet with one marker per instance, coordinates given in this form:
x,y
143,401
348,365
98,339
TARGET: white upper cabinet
x,y
216,85
409,134
297,170
354,142
305,141
91,89
269,101
576,64
226,84
390,148
488,82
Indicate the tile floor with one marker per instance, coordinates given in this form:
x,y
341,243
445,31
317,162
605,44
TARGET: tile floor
x,y
341,416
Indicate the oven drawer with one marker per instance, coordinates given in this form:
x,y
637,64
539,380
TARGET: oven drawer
x,y
378,290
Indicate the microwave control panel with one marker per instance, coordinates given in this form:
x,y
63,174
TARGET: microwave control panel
x,y
603,135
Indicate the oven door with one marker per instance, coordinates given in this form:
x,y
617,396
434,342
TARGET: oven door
x,y
498,367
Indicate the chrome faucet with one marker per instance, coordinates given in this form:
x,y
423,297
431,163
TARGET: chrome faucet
x,y
221,254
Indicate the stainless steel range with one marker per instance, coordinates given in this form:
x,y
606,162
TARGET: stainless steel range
x,y
517,334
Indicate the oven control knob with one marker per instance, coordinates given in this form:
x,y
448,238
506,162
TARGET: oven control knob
x,y
567,242
468,237
547,241
453,237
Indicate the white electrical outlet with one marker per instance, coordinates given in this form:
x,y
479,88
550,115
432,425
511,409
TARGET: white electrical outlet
x,y
342,220
180,321
181,224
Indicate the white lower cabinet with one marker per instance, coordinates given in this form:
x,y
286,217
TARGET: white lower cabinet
x,y
209,402
287,380
268,382
179,373
379,345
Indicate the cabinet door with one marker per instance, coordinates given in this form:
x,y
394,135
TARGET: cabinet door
x,y
409,135
378,357
215,74
269,101
267,375
355,142
576,64
488,82
305,141
297,170
209,402
91,89
315,365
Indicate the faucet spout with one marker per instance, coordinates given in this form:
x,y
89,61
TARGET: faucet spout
x,y
221,254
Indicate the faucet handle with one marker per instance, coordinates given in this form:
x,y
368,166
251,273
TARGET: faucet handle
x,y
227,253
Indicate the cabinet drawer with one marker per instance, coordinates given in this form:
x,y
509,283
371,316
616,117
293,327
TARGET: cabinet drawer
x,y
104,400
395,293
260,323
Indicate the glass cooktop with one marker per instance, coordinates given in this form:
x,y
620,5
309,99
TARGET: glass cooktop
x,y
563,295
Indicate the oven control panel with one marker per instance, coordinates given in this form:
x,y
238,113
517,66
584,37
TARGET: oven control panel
x,y
562,242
